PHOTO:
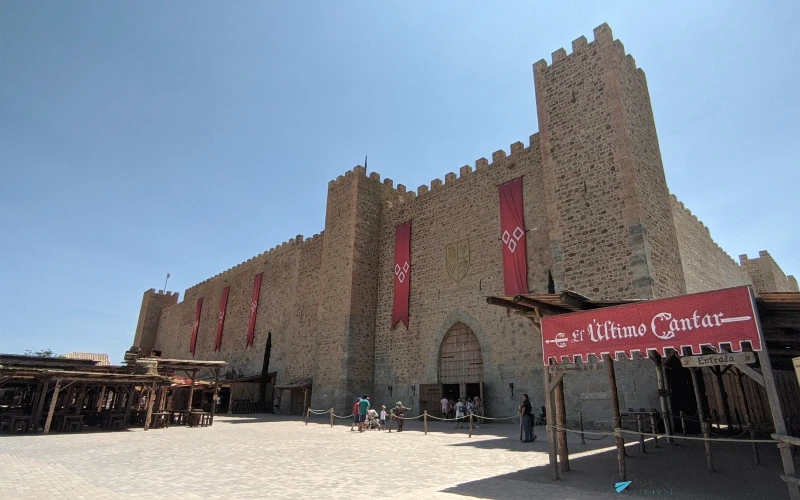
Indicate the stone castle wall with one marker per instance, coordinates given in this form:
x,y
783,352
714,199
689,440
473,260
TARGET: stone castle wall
x,y
766,275
706,266
599,219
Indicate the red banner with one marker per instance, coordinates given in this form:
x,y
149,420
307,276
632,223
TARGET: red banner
x,y
701,319
512,234
402,273
196,326
251,325
223,305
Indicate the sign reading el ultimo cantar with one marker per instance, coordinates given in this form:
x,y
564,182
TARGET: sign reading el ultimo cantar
x,y
701,319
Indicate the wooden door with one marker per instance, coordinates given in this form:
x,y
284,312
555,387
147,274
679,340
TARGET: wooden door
x,y
429,397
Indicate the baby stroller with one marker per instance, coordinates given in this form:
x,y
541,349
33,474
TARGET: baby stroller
x,y
541,419
372,423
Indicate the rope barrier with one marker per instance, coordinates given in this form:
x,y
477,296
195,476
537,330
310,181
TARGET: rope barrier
x,y
690,438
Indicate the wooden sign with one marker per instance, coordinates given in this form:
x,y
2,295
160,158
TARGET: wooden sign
x,y
736,358
572,368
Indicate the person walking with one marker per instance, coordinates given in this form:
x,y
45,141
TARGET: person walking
x,y
527,421
383,418
363,406
355,414
445,404
460,411
478,411
399,415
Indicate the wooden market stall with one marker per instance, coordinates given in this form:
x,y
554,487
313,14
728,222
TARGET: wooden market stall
x,y
757,346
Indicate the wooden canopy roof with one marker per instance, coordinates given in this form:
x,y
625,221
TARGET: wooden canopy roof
x,y
779,313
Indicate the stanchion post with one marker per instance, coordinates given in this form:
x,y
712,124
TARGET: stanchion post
x,y
640,426
580,422
425,421
308,414
470,425
683,423
331,417
654,428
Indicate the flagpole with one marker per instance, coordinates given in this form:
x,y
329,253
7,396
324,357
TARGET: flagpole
x,y
165,283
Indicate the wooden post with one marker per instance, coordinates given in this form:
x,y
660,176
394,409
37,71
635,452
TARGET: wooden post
x,y
331,417
40,405
101,398
748,419
214,396
519,414
132,401
612,383
663,396
702,414
470,425
162,398
778,420
425,421
580,422
151,399
79,401
667,390
654,427
639,426
561,422
190,406
52,408
308,414
305,398
724,395
550,421
683,423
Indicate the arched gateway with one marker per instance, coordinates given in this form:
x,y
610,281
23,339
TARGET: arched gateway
x,y
460,369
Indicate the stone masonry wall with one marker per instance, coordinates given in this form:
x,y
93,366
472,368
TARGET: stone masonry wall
x,y
766,274
290,273
153,303
706,266
464,207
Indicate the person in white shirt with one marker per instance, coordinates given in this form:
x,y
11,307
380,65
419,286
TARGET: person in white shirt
x,y
383,418
460,411
445,406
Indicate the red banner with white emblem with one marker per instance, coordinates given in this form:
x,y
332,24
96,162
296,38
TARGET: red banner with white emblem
x,y
196,326
223,305
402,273
701,319
251,324
512,235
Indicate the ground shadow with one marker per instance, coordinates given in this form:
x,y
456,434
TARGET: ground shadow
x,y
671,471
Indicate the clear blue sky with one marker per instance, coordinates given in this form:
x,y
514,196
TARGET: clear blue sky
x,y
138,138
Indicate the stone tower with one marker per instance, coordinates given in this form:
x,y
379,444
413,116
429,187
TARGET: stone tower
x,y
603,175
345,342
153,303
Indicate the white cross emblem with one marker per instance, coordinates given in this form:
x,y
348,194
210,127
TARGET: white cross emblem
x,y
401,272
511,239
195,324
221,316
253,306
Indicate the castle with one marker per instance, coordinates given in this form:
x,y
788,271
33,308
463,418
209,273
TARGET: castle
x,y
599,220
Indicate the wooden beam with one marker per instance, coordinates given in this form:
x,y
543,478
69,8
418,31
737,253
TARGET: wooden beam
x,y
494,301
561,421
550,422
612,384
575,300
151,399
215,395
526,314
52,409
662,395
555,380
40,404
778,421
541,306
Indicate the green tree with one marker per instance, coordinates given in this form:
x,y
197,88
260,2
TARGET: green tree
x,y
44,353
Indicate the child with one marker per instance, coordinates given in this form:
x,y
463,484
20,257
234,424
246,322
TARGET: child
x,y
460,410
383,417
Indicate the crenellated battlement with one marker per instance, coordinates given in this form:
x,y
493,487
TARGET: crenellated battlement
x,y
162,292
694,218
290,244
602,36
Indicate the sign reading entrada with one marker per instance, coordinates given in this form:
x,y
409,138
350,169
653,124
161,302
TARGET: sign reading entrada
x,y
709,318
731,358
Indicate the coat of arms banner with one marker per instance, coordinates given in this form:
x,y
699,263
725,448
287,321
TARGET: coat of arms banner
x,y
402,273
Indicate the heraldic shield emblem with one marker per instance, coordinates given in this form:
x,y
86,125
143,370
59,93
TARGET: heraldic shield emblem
x,y
457,260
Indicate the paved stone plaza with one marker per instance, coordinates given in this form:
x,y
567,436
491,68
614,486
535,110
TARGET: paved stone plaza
x,y
280,457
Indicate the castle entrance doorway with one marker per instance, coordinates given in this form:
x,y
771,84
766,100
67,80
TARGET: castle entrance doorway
x,y
460,369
